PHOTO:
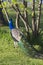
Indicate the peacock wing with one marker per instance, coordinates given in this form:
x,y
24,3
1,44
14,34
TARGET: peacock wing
x,y
16,34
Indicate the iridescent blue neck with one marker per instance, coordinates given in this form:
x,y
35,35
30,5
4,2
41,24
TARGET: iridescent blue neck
x,y
11,24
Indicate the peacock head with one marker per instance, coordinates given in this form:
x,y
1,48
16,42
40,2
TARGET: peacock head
x,y
11,26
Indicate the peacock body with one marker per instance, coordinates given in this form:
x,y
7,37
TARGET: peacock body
x,y
15,33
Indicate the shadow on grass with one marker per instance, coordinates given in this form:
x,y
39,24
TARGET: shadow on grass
x,y
35,47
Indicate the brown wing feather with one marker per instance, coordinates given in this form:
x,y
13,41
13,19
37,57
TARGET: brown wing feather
x,y
16,34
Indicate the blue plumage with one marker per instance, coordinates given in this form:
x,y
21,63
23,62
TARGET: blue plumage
x,y
11,24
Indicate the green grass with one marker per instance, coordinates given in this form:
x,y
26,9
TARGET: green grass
x,y
13,56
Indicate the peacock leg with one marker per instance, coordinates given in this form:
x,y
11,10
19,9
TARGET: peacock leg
x,y
15,44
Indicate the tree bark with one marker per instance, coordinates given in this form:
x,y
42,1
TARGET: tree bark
x,y
39,15
26,16
33,20
25,13
17,20
20,15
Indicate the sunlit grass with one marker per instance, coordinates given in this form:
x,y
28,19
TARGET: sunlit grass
x,y
13,56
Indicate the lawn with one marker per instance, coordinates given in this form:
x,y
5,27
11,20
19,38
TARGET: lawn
x,y
14,56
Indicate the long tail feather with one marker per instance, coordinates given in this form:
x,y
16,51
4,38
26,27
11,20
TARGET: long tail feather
x,y
21,45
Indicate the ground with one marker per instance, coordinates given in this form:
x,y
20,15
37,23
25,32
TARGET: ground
x,y
14,56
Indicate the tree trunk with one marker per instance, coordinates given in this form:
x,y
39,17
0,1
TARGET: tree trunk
x,y
17,20
26,17
16,8
33,20
25,13
39,15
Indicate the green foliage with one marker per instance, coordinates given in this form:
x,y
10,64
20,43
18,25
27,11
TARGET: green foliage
x,y
14,1
21,6
28,0
5,4
37,2
14,56
0,6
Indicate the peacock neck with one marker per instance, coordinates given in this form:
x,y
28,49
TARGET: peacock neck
x,y
11,26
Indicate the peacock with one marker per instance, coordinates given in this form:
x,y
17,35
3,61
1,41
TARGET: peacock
x,y
16,34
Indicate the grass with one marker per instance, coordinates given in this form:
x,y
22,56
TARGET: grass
x,y
13,56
